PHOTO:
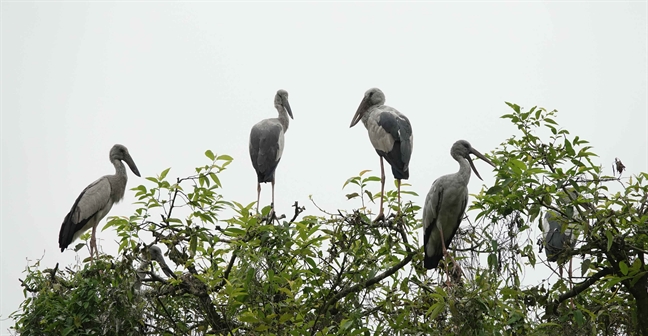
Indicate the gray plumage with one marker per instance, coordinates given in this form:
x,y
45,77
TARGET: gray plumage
x,y
156,254
446,203
556,241
267,142
390,133
96,200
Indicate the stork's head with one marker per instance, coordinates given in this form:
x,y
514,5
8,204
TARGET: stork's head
x,y
371,98
156,253
281,102
120,152
463,149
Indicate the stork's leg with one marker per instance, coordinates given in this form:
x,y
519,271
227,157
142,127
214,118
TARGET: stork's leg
x,y
381,215
258,196
447,255
272,205
93,242
273,194
398,182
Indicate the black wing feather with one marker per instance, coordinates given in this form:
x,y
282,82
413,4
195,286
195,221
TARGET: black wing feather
x,y
399,127
430,262
69,227
264,145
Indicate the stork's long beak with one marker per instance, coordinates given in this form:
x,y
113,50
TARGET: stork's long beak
x,y
286,105
481,156
131,164
364,105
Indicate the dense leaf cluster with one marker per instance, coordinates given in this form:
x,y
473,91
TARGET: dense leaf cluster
x,y
242,273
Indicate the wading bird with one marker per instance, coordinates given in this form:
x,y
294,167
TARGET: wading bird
x,y
390,133
156,254
445,205
556,241
95,201
267,143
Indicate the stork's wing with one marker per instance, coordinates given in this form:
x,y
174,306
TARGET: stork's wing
x,y
399,128
266,147
431,234
92,200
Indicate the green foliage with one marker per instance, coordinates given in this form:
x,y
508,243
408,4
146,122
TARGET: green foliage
x,y
76,302
243,273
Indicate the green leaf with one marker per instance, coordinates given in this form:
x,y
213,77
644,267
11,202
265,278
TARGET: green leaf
x,y
193,243
496,189
248,317
622,266
515,107
585,266
352,195
364,172
437,308
164,173
610,239
224,158
578,316
371,179
284,318
209,154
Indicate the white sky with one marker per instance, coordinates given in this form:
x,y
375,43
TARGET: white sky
x,y
170,80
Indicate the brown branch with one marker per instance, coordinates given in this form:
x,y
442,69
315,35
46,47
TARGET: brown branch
x,y
298,210
29,289
167,313
227,272
553,306
372,281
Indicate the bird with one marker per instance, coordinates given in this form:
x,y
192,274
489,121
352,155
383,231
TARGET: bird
x,y
96,200
156,254
446,203
267,143
556,241
149,254
390,133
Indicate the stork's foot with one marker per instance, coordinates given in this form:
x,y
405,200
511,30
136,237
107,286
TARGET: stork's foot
x,y
455,273
380,217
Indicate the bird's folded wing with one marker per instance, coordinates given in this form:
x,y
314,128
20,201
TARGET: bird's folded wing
x,y
92,199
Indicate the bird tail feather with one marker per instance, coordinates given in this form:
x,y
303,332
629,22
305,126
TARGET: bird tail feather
x,y
431,262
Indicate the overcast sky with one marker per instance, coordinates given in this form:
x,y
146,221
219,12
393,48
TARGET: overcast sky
x,y
170,80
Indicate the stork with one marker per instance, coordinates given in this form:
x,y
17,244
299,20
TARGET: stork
x,y
446,203
556,241
96,200
390,133
156,254
267,143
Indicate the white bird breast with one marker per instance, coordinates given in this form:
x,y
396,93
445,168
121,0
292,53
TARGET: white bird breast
x,y
380,139
280,144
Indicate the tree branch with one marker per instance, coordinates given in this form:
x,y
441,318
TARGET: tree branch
x,y
370,282
553,306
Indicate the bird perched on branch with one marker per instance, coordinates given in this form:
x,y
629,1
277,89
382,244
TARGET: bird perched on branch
x,y
390,133
96,200
267,143
446,203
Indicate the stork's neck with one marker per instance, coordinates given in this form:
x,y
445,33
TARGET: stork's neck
x,y
371,110
283,117
464,169
120,169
